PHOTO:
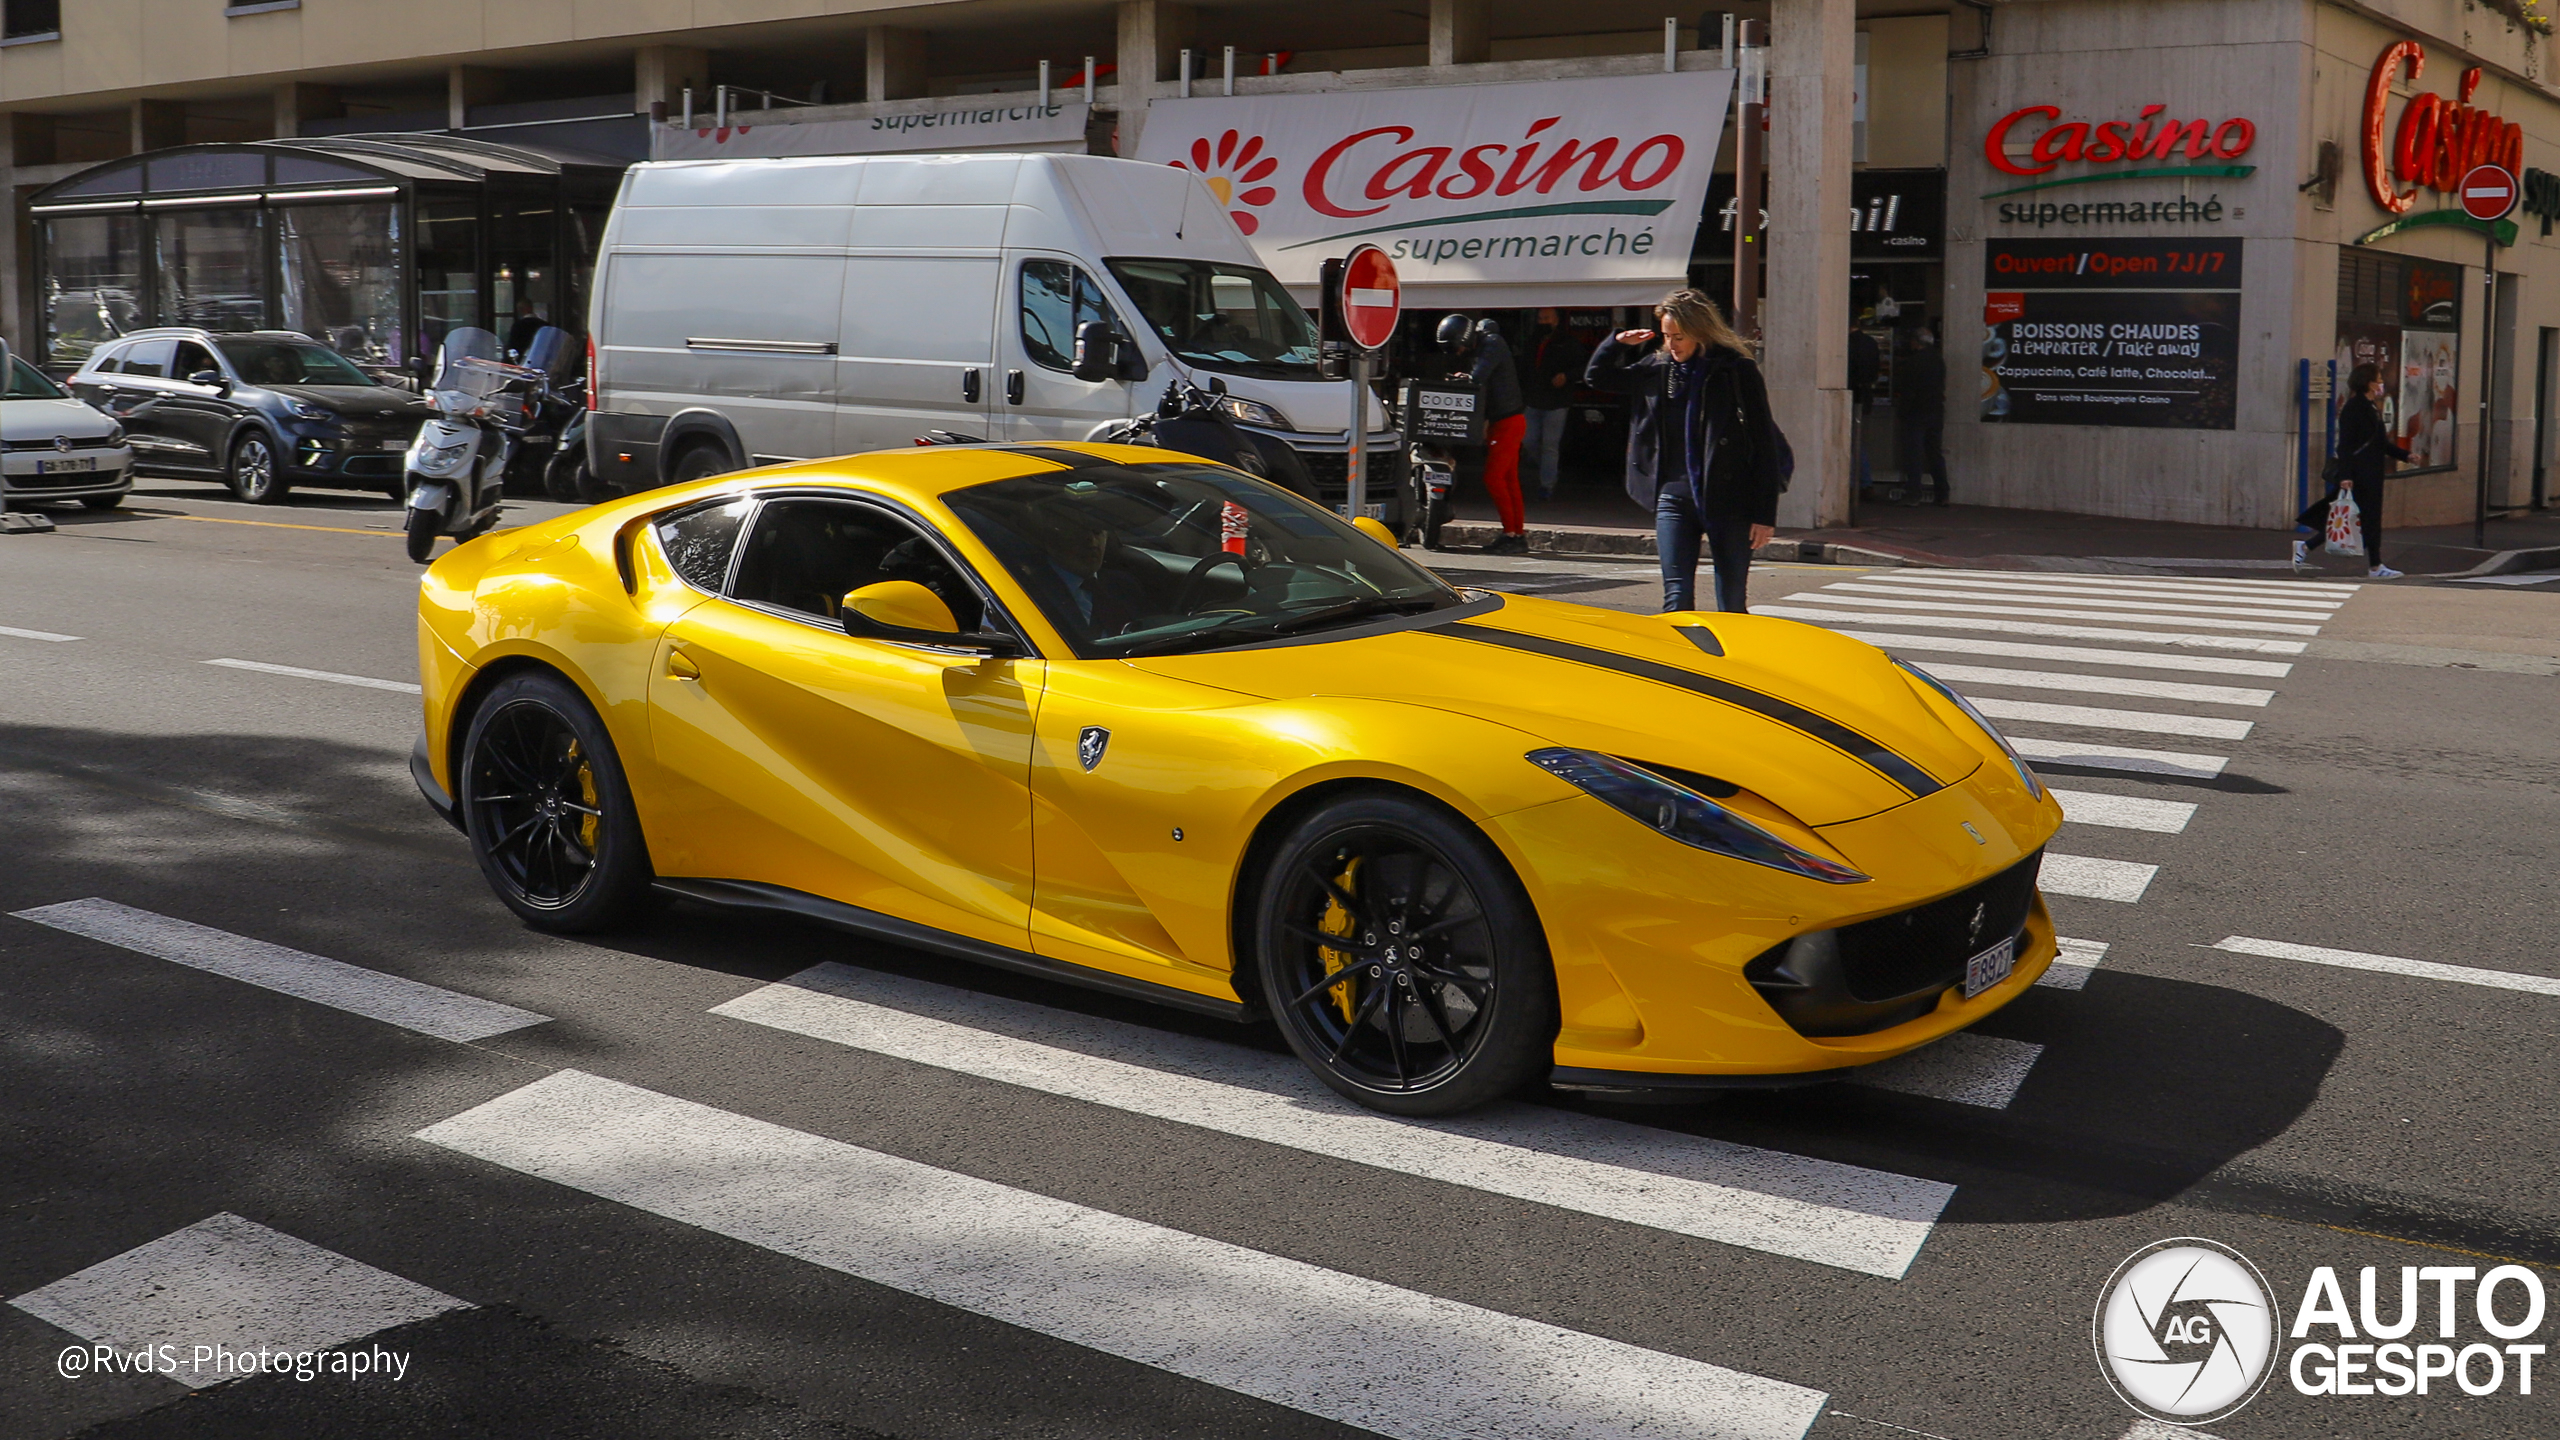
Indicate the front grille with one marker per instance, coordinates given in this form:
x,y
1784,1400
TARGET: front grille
x,y
92,442
1332,472
68,480
376,465
1880,973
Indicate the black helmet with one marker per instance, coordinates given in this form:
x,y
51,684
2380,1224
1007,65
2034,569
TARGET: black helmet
x,y
1456,335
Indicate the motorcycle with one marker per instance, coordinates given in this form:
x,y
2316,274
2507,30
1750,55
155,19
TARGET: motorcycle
x,y
568,477
457,466
1432,473
1196,422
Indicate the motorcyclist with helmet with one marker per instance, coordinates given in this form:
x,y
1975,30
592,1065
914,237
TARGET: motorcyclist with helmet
x,y
1480,348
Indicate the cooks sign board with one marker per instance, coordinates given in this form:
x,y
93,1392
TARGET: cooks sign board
x,y
1589,184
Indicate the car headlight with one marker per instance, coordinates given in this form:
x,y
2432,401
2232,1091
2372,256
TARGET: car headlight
x,y
115,436
308,411
1685,815
1252,412
2035,787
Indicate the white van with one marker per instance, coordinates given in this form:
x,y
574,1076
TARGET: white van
x,y
755,311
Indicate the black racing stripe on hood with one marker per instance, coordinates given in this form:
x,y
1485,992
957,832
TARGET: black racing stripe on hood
x,y
1830,732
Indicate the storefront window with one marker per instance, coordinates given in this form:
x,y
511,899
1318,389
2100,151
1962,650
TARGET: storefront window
x,y
448,269
213,268
340,266
2404,316
93,283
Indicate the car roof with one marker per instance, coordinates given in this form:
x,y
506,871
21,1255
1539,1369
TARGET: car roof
x,y
192,332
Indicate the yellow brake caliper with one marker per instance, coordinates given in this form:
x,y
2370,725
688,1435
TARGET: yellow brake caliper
x,y
588,824
1338,921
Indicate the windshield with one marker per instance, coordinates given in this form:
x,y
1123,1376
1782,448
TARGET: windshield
x,y
26,382
1234,318
1152,559
289,362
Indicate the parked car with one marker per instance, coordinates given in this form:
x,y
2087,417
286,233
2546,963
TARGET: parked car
x,y
53,447
754,311
261,411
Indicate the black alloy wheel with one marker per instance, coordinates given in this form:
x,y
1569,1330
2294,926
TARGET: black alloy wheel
x,y
548,810
253,475
1401,960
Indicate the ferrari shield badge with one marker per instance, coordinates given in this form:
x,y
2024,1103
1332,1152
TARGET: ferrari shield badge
x,y
1089,745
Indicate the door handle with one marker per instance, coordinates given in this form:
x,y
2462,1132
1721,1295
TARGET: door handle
x,y
1013,387
681,666
969,385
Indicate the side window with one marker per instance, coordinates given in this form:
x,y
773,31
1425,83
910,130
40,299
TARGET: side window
x,y
149,357
1056,298
806,555
699,542
192,359
106,360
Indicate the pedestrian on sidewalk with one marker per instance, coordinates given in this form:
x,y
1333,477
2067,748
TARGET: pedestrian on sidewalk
x,y
1555,367
1702,452
1866,364
2364,443
1487,358
1920,412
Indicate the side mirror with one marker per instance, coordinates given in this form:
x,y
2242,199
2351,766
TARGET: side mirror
x,y
209,377
905,611
1097,352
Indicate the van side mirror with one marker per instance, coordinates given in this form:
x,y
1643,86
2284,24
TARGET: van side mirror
x,y
902,610
1097,351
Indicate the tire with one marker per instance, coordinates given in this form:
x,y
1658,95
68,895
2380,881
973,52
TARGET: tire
x,y
420,528
101,502
592,488
1472,1022
560,479
699,462
253,475
548,810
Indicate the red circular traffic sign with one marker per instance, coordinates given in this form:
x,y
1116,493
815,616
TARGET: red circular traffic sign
x,y
2488,192
1371,297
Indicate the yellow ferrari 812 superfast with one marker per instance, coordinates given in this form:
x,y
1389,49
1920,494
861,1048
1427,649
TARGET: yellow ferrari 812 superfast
x,y
1138,721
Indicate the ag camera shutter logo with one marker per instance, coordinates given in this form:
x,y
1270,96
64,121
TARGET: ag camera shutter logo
x,y
2185,1331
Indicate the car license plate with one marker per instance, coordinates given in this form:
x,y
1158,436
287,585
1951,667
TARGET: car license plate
x,y
1990,967
1367,512
66,467
395,444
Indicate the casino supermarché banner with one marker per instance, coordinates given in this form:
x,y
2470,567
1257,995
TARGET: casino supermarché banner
x,y
1581,191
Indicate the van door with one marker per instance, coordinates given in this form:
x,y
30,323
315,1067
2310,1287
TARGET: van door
x,y
917,349
1043,400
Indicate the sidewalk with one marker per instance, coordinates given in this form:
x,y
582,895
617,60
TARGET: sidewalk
x,y
1591,521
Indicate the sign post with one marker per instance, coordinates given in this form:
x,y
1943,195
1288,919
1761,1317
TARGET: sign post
x,y
1369,303
2488,195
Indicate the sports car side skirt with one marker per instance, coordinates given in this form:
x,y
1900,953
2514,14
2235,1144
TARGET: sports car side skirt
x,y
1646,1086
423,772
1829,731
872,925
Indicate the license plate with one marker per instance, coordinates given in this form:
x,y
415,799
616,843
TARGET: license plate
x,y
67,467
1367,512
1990,967
395,444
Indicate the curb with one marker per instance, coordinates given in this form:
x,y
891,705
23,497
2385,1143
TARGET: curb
x,y
2508,562
1592,540
24,522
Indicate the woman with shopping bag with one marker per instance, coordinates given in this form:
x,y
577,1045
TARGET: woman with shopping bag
x,y
2355,481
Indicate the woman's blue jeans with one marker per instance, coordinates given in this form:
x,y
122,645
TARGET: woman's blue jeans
x,y
1677,530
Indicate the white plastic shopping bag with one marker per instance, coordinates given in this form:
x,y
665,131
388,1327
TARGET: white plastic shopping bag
x,y
2346,527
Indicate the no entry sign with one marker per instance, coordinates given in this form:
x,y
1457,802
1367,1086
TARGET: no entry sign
x,y
1371,298
2488,192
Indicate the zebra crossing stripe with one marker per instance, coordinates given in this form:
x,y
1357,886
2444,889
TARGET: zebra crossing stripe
x,y
1780,1204
2051,612
2100,684
2069,654
1345,1348
1966,1068
2321,603
2066,577
2391,965
2093,717
2091,878
2124,812
2128,758
2071,968
2246,644
2169,609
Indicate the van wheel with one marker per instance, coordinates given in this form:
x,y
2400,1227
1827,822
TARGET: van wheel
x,y
699,462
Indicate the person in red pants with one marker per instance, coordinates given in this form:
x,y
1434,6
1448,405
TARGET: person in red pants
x,y
1481,348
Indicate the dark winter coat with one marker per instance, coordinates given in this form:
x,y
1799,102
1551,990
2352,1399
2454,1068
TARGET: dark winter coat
x,y
1742,459
2363,442
1552,354
1920,384
1497,378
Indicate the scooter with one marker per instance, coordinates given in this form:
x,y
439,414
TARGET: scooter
x,y
457,466
568,477
1196,422
1433,472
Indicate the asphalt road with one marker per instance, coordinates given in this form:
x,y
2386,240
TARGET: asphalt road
x,y
998,1207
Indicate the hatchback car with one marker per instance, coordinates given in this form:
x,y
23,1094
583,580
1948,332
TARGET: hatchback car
x,y
261,411
53,447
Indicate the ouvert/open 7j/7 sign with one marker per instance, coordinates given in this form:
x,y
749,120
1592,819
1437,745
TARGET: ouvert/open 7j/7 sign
x,y
1590,185
2111,332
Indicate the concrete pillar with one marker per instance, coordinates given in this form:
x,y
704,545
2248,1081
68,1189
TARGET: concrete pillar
x,y
660,73
158,124
1812,54
466,86
297,103
892,63
1152,36
1461,32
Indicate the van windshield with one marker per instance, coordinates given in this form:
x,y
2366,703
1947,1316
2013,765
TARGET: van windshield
x,y
1234,318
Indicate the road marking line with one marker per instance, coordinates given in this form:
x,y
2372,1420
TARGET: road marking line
x,y
1950,607
2124,812
1934,581
2244,643
2157,608
1339,1346
1969,1069
1781,1204
2391,965
2093,717
332,676
2128,758
281,525
2101,684
2066,577
2072,968
2091,878
2083,654
16,634
409,1004
230,1282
